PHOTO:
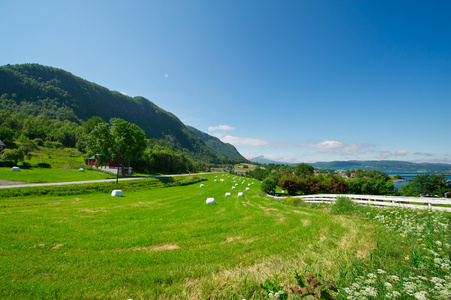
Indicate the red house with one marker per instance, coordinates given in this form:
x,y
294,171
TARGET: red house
x,y
110,166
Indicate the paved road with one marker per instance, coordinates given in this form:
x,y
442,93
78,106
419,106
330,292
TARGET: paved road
x,y
8,185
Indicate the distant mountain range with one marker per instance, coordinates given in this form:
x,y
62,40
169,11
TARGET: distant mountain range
x,y
380,165
35,89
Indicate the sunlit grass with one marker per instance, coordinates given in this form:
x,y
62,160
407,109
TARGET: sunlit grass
x,y
167,243
43,175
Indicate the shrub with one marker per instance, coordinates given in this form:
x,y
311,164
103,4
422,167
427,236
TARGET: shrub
x,y
293,201
291,183
43,165
343,205
269,185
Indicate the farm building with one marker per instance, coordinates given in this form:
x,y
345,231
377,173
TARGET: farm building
x,y
111,166
2,147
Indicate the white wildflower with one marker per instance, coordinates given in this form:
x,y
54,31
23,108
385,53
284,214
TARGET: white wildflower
x,y
396,294
409,287
437,280
355,285
380,271
388,286
369,291
371,276
393,278
445,267
423,295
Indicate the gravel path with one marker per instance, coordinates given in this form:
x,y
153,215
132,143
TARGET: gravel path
x,y
11,184
8,183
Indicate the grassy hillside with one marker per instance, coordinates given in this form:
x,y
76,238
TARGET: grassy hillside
x,y
35,89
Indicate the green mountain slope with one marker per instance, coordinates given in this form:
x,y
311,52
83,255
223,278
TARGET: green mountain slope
x,y
216,144
36,89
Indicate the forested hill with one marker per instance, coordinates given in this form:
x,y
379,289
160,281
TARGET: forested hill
x,y
35,89
216,144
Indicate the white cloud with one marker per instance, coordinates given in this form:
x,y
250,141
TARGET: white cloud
x,y
243,141
123,93
326,146
401,152
335,146
166,75
387,154
220,127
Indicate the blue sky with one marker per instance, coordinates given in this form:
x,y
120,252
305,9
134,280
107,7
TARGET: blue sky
x,y
294,81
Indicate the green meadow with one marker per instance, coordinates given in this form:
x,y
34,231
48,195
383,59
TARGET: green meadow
x,y
167,243
43,175
162,241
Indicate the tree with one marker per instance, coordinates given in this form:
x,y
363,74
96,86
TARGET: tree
x,y
14,155
291,183
269,184
27,146
6,134
426,184
119,141
303,170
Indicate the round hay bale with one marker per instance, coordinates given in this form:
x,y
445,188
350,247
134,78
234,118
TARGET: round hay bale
x,y
233,187
240,194
201,185
15,169
116,193
228,194
81,170
210,201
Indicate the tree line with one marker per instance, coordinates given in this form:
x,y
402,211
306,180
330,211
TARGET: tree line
x,y
117,140
301,180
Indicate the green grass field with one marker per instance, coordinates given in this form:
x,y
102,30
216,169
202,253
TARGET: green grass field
x,y
42,175
167,243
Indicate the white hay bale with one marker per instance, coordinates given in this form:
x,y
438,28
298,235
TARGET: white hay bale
x,y
233,187
210,201
201,185
81,170
247,189
15,169
248,184
116,193
236,184
240,194
228,195
216,180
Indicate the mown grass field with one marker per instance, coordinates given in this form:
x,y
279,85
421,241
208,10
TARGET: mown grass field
x,y
166,243
43,175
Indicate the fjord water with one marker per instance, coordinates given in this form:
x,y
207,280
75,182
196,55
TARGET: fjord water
x,y
410,176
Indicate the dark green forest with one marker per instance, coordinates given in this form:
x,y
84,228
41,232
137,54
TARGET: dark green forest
x,y
52,105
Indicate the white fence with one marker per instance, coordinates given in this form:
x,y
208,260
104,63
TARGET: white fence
x,y
412,202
